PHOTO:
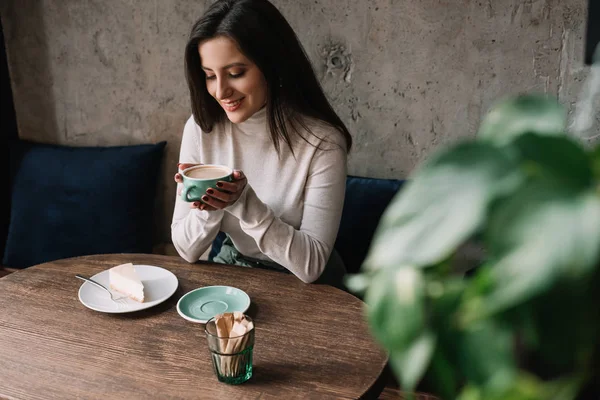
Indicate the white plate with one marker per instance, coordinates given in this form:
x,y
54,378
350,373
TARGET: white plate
x,y
159,285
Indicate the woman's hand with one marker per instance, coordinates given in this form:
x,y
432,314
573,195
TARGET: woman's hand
x,y
182,166
178,178
227,193
224,195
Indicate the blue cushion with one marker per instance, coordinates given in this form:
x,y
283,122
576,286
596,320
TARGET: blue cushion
x,y
74,201
365,201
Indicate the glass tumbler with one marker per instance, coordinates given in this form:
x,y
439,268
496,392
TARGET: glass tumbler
x,y
231,356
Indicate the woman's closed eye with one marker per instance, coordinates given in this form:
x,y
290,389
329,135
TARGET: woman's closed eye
x,y
231,75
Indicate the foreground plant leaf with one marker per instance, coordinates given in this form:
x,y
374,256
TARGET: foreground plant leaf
x,y
411,363
543,233
534,194
569,310
357,283
528,113
595,160
442,206
528,387
566,388
443,374
395,308
525,387
484,351
555,158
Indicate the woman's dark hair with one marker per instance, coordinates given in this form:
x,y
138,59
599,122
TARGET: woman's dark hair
x,y
265,37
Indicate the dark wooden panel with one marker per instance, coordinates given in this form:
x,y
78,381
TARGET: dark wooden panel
x,y
593,30
8,131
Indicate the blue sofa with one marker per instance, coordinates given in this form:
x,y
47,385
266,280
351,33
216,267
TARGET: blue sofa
x,y
95,200
70,201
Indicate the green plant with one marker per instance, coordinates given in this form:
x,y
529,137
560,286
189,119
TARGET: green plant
x,y
525,323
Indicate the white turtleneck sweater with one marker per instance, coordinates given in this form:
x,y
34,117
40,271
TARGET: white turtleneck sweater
x,y
291,207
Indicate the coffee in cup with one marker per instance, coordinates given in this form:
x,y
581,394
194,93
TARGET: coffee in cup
x,y
199,178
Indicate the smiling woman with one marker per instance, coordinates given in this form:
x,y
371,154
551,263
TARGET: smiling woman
x,y
258,108
234,80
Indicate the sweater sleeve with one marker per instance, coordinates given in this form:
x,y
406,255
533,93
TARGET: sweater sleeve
x,y
192,230
304,251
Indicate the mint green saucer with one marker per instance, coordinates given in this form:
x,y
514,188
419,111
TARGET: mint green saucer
x,y
203,303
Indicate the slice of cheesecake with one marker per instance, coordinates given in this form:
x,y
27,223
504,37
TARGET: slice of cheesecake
x,y
124,279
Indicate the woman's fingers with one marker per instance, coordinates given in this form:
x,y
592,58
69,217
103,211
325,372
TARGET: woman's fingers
x,y
213,202
218,198
227,186
201,206
232,187
183,166
222,196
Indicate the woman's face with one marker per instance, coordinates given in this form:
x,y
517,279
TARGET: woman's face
x,y
232,79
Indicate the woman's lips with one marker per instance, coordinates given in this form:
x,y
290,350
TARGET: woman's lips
x,y
232,105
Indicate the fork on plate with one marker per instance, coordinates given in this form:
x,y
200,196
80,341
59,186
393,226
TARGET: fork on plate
x,y
120,301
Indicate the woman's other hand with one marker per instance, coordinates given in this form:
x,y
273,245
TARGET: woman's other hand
x,y
224,195
179,179
181,166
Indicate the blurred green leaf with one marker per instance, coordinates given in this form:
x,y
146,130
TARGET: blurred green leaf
x,y
470,392
444,298
485,355
567,321
527,113
557,158
543,232
395,307
480,283
524,387
443,376
566,388
442,206
357,283
595,158
411,363
530,311
528,387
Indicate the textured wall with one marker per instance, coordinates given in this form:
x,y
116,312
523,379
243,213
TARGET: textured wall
x,y
406,76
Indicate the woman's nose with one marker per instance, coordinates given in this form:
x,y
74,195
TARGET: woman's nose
x,y
223,89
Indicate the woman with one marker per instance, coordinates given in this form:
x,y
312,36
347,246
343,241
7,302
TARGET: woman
x,y
259,108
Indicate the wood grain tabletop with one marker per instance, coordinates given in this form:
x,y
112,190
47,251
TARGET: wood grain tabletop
x,y
312,341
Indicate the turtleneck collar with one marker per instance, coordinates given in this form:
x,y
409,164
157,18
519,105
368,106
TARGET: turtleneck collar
x,y
256,124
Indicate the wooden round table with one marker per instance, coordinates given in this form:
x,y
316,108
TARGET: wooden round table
x,y
311,340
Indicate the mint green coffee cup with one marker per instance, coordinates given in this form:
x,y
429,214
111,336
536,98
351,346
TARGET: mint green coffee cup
x,y
199,178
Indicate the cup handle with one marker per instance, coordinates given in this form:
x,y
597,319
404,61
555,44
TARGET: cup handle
x,y
185,193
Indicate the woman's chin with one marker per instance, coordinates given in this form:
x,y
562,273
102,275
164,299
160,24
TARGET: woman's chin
x,y
238,116
236,119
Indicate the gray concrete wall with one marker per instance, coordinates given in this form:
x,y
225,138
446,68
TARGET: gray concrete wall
x,y
406,76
